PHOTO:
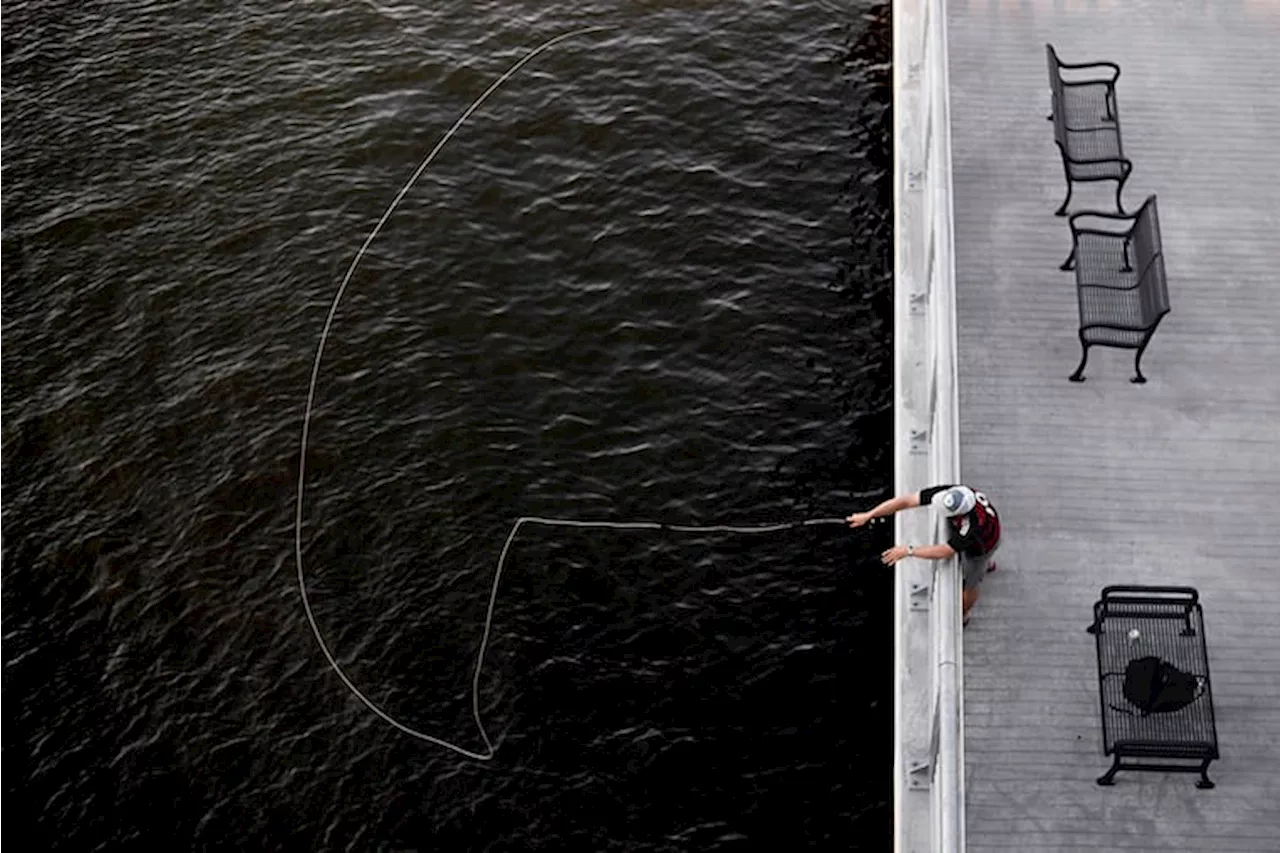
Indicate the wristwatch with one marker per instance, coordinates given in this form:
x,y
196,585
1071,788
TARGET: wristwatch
x,y
911,550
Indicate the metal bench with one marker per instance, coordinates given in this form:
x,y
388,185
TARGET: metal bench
x,y
1120,281
1133,622
1086,124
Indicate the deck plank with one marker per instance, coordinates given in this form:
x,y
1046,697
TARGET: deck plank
x,y
1174,482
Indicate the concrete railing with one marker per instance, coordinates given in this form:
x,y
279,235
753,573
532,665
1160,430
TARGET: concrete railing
x,y
929,695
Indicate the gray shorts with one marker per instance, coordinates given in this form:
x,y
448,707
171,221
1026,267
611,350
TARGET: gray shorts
x,y
974,569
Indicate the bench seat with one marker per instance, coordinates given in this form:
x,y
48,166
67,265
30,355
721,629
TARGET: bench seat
x,y
1088,105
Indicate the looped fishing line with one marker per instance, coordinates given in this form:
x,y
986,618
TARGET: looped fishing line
x,y
555,522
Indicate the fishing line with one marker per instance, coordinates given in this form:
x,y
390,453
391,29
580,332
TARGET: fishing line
x,y
552,522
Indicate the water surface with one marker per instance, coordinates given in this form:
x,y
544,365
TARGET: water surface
x,y
649,280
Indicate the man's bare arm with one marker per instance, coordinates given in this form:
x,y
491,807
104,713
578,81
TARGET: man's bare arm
x,y
889,507
925,552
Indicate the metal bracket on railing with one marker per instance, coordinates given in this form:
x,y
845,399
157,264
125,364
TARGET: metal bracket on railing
x,y
919,441
913,71
918,774
919,596
915,179
918,302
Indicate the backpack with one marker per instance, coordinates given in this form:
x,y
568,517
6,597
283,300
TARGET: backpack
x,y
1156,686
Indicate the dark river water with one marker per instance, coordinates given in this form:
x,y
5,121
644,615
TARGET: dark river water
x,y
648,280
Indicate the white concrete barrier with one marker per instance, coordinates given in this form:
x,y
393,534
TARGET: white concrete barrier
x,y
928,685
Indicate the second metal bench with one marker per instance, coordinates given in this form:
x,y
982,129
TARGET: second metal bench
x,y
1120,281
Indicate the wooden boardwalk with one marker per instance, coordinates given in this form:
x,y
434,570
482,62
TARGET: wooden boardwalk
x,y
1173,482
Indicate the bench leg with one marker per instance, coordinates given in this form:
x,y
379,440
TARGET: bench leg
x,y
1139,379
1119,190
1204,782
1062,211
1110,101
1109,778
1078,376
1069,263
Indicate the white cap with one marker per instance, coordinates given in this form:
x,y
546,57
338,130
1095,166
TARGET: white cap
x,y
957,501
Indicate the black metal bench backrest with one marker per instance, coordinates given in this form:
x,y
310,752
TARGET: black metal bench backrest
x,y
1057,105
1055,73
1148,258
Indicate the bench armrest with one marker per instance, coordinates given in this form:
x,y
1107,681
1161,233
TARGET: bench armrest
x,y
1080,66
1150,594
1114,220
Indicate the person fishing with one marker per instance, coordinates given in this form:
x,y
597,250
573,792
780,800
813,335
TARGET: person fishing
x,y
974,533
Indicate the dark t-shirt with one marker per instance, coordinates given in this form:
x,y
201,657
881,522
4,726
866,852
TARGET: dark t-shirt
x,y
975,533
